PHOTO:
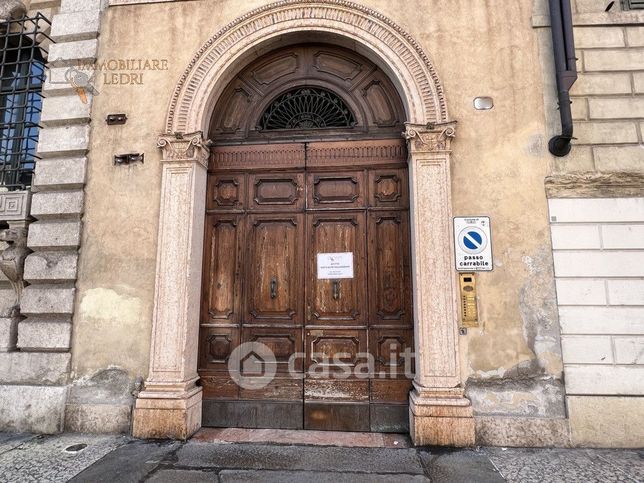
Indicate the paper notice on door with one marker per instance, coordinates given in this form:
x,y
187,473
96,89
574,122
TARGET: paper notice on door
x,y
335,265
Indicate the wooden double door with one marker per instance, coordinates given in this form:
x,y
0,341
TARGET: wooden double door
x,y
308,253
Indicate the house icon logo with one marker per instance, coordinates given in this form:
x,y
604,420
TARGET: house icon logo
x,y
252,365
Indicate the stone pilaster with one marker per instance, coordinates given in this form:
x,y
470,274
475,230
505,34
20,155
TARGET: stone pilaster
x,y
170,404
439,412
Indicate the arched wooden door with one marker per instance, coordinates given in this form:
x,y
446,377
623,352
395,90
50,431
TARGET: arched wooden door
x,y
307,250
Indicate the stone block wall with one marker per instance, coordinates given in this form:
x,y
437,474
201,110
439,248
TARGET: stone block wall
x,y
608,98
34,377
596,203
599,267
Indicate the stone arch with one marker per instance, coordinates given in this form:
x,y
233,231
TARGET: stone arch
x,y
170,404
407,63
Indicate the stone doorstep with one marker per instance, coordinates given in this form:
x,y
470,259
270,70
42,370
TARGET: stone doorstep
x,y
303,437
302,458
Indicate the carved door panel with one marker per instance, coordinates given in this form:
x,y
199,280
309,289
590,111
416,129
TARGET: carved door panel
x,y
226,191
274,274
389,268
341,300
281,192
222,265
332,191
388,188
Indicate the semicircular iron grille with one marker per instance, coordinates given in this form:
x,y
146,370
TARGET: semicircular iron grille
x,y
307,108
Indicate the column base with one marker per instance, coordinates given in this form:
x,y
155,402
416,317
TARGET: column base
x,y
441,418
176,417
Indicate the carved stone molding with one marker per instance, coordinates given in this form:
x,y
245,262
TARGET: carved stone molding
x,y
430,137
401,53
14,205
11,9
12,263
595,185
184,148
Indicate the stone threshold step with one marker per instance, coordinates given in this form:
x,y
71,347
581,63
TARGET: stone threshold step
x,y
302,437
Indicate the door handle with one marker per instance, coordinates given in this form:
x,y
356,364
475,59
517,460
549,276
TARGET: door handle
x,y
273,288
336,290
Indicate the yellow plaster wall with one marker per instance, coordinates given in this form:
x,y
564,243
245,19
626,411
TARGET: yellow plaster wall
x,y
500,160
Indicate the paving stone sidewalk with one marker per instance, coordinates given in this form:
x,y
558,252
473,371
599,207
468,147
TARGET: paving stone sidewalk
x,y
101,458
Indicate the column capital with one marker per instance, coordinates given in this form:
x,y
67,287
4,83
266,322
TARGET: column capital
x,y
429,138
184,148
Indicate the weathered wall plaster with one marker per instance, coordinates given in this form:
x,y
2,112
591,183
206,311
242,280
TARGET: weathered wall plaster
x,y
499,157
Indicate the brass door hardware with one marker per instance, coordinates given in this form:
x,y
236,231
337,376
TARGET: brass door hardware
x,y
469,309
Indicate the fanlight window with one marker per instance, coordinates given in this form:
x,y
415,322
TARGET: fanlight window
x,y
307,108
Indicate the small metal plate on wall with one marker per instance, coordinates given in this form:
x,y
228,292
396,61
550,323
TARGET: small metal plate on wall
x,y
483,103
116,119
129,158
469,308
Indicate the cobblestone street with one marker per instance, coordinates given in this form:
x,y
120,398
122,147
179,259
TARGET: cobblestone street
x,y
96,458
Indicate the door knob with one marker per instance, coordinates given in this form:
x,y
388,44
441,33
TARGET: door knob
x,y
273,288
336,290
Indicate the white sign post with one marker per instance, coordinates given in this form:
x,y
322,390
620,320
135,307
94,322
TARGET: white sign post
x,y
473,244
333,266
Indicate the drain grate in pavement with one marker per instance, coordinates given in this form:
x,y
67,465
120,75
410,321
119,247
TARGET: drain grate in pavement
x,y
75,448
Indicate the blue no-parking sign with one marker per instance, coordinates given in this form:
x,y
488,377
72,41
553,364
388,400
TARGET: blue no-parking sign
x,y
473,244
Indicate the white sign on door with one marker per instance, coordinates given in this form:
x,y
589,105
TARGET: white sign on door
x,y
473,244
335,265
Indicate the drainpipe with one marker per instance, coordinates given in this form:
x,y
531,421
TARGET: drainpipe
x,y
563,46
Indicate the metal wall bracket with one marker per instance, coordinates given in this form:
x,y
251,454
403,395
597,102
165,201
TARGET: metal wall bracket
x,y
115,119
121,159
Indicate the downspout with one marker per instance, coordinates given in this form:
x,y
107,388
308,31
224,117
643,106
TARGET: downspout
x,y
563,46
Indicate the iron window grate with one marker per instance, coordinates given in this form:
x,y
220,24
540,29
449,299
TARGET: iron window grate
x,y
307,108
22,74
633,4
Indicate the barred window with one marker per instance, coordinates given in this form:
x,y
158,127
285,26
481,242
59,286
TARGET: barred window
x,y
633,4
22,74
